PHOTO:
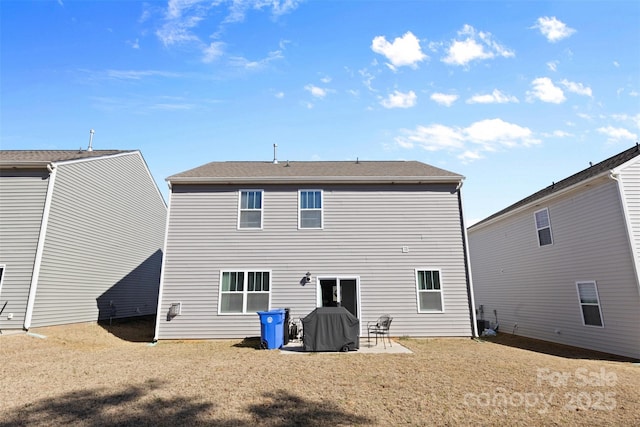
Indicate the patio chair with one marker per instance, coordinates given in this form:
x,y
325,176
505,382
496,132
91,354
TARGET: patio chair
x,y
380,327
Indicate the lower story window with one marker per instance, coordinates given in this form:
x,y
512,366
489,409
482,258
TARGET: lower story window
x,y
429,288
244,292
589,303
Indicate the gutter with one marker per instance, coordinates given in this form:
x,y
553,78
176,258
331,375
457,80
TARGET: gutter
x,y
52,168
317,180
162,272
467,266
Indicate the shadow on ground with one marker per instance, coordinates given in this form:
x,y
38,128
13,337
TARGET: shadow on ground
x,y
552,349
133,329
249,342
136,406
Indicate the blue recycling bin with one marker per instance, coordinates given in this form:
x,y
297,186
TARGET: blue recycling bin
x,y
271,328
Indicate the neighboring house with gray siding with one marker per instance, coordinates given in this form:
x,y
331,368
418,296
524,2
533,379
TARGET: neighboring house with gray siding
x,y
81,236
375,237
563,264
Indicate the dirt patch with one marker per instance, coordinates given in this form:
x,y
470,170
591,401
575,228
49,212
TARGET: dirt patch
x,y
91,375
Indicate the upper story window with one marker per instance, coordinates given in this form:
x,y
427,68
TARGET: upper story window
x,y
590,303
310,209
250,209
543,226
429,289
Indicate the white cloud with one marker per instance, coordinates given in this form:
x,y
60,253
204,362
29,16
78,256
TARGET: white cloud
x,y
475,46
367,79
618,134
239,8
553,29
444,99
558,134
279,95
138,74
432,138
183,17
134,44
399,100
544,90
212,52
469,156
404,51
578,88
316,91
495,97
493,133
326,79
616,64
238,61
470,142
553,65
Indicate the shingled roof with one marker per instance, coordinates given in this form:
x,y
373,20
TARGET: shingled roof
x,y
40,158
319,172
604,167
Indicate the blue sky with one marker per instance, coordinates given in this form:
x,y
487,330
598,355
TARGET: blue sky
x,y
512,95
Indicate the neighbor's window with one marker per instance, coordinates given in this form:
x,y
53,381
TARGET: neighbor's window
x,y
589,303
244,292
310,215
429,291
250,209
543,225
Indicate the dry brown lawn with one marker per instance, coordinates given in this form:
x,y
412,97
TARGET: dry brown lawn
x,y
93,375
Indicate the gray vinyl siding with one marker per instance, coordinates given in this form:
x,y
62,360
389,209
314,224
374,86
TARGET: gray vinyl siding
x,y
365,228
103,243
22,198
630,182
535,287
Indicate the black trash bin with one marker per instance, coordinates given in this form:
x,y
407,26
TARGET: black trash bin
x,y
287,325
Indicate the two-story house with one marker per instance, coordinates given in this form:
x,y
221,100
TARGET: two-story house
x,y
374,237
563,264
81,234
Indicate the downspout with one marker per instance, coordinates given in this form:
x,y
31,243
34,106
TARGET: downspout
x,y
162,268
467,265
627,220
40,248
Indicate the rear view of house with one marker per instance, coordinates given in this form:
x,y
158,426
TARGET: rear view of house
x,y
373,237
563,264
81,237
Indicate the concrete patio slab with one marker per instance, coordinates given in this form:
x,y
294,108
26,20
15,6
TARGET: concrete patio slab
x,y
296,347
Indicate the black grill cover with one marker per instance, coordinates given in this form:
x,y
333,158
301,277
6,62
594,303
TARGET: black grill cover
x,y
331,329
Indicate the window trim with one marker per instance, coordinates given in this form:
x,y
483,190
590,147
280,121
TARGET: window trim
x,y
418,290
245,289
535,221
300,191
581,304
240,210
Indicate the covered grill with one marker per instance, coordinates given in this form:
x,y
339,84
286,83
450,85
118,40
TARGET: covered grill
x,y
331,329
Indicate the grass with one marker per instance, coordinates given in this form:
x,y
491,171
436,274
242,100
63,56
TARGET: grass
x,y
101,375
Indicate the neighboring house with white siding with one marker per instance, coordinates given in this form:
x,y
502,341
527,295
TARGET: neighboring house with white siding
x,y
374,237
563,264
81,236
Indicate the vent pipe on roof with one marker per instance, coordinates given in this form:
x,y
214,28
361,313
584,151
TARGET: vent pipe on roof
x,y
275,154
91,132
